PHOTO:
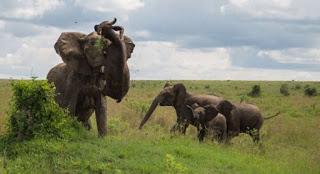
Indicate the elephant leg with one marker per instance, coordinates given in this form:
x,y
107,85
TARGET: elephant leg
x,y
84,117
255,135
224,136
231,134
174,128
220,135
179,126
202,134
100,111
184,128
87,124
71,94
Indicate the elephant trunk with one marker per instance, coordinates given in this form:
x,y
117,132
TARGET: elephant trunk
x,y
152,107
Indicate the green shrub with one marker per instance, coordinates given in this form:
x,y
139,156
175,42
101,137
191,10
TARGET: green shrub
x,y
284,90
310,91
255,91
34,112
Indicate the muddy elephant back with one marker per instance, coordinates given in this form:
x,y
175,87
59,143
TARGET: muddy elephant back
x,y
203,100
58,76
218,127
219,123
249,115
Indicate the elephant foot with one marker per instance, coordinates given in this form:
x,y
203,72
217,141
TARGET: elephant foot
x,y
102,134
201,135
256,140
87,125
173,129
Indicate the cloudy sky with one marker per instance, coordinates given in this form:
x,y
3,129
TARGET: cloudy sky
x,y
181,39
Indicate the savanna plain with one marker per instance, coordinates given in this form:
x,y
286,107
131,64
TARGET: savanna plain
x,y
290,142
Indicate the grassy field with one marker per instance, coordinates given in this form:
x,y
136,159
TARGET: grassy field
x,y
290,142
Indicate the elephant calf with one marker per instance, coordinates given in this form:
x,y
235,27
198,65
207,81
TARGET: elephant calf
x,y
208,119
242,118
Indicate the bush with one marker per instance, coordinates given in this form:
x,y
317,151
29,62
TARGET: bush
x,y
310,91
34,112
255,91
284,90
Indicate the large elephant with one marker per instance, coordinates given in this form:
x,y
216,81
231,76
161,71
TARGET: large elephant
x,y
95,65
178,97
242,118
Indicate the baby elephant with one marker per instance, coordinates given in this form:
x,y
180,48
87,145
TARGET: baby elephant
x,y
209,120
242,118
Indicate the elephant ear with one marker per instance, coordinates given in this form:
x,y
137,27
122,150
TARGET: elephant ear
x,y
180,92
129,45
211,111
225,107
191,108
69,47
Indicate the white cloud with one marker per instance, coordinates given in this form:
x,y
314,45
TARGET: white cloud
x,y
232,40
13,76
280,9
110,5
142,33
32,54
158,60
265,74
9,59
166,60
27,9
2,24
293,55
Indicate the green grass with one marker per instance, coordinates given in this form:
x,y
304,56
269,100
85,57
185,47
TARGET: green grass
x,y
290,142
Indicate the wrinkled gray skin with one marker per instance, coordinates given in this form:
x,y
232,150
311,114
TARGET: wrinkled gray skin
x,y
210,121
177,97
89,73
242,118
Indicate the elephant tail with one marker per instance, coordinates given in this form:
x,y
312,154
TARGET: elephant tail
x,y
266,118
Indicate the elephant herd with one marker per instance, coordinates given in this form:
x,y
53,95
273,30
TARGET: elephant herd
x,y
95,66
209,114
